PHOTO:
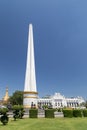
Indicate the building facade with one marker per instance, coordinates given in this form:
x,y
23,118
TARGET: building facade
x,y
59,101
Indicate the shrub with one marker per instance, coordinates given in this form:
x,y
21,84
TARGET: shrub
x,y
18,111
33,113
45,106
21,112
77,113
15,112
68,113
4,118
60,110
85,113
49,113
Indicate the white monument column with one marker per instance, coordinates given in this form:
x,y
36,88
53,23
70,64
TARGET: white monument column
x,y
30,91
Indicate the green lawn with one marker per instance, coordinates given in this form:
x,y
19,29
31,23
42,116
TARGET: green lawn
x,y
46,124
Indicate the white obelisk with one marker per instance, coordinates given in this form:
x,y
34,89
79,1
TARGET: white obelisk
x,y
30,91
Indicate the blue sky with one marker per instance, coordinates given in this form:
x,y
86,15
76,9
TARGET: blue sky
x,y
60,40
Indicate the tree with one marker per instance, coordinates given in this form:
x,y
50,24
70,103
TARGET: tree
x,y
16,98
85,104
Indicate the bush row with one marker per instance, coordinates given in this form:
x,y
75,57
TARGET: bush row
x,y
49,113
18,112
75,113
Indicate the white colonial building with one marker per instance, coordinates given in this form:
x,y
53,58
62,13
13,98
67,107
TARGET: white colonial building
x,y
59,101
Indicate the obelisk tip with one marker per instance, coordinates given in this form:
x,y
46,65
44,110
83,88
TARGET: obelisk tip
x,y
30,25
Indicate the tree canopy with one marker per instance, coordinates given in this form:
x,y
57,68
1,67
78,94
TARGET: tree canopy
x,y
16,98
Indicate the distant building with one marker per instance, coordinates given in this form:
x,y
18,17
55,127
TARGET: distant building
x,y
6,97
59,101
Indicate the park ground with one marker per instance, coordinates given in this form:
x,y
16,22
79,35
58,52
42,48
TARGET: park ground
x,y
46,124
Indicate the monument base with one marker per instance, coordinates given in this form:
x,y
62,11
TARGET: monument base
x,y
30,99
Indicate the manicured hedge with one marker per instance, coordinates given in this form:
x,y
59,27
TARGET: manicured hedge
x,y
68,113
77,113
33,113
85,113
49,113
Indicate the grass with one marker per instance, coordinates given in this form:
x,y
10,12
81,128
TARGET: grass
x,y
46,124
